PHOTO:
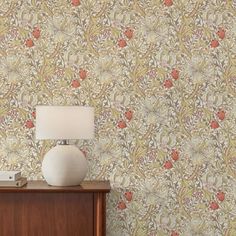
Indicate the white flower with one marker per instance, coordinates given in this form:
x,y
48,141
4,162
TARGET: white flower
x,y
153,111
165,56
107,69
212,180
187,7
27,97
199,69
120,99
13,68
4,6
232,191
119,229
196,227
198,149
233,29
61,27
106,150
93,6
154,29
28,17
233,110
214,99
149,190
215,16
60,99
166,220
72,59
122,14
120,181
165,138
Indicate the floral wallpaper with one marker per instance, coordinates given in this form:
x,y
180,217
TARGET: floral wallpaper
x,y
161,75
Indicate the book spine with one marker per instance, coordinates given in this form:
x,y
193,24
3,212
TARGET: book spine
x,y
10,177
18,183
21,182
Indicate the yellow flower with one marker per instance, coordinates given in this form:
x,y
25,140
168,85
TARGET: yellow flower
x,y
12,150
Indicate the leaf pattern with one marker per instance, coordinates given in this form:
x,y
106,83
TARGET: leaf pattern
x,y
161,75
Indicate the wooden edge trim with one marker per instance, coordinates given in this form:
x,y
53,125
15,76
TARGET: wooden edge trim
x,y
99,214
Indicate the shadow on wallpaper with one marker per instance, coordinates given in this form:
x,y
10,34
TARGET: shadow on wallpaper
x,y
161,75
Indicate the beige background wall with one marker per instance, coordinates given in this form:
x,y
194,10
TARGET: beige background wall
x,y
162,77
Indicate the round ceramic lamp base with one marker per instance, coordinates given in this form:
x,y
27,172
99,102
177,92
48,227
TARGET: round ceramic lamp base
x,y
64,165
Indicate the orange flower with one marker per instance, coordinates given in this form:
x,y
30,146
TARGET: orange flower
x,y
122,124
129,115
129,33
168,165
175,155
214,205
175,74
82,74
75,2
29,124
75,83
220,196
122,43
29,43
33,114
129,196
168,83
174,233
121,205
36,32
221,114
214,43
214,124
221,33
168,3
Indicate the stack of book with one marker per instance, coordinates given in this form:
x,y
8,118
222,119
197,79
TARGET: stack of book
x,y
12,179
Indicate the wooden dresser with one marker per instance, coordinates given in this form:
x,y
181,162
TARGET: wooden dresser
x,y
41,210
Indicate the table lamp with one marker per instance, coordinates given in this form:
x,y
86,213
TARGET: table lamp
x,y
64,164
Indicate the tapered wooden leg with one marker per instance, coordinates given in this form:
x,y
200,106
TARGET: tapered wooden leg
x,y
99,214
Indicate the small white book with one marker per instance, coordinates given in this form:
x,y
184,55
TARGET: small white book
x,y
18,183
10,175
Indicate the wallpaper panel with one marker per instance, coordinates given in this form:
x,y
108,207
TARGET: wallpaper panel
x,y
162,77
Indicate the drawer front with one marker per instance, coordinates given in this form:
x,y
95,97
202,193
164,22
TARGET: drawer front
x,y
40,214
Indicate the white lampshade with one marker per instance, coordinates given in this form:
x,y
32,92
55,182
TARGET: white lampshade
x,y
64,122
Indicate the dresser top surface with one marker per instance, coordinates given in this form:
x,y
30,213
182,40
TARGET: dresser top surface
x,y
42,186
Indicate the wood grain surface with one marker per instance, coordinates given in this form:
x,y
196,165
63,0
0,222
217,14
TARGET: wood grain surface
x,y
42,210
